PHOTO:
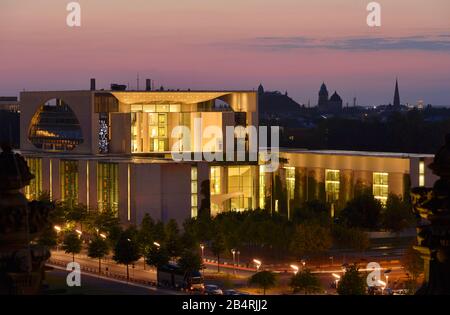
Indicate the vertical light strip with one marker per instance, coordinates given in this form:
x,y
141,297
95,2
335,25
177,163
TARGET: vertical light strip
x,y
421,173
51,179
87,185
129,194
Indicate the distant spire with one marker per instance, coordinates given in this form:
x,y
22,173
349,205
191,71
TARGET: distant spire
x,y
396,94
260,89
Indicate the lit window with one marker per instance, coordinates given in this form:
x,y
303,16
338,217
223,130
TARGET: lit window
x,y
332,185
421,173
290,185
194,189
262,187
380,186
215,180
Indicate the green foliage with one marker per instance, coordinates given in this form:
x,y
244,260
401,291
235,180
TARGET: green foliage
x,y
190,261
145,236
157,257
306,282
352,282
263,279
218,247
98,248
313,210
310,239
159,232
364,211
397,214
126,250
49,237
172,239
353,238
413,263
72,243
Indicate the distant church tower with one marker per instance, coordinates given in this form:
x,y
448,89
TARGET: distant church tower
x,y
396,95
260,89
323,96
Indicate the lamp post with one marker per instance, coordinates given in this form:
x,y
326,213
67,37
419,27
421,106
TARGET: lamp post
x,y
202,247
336,279
157,244
233,251
258,264
303,263
58,229
295,268
332,260
238,253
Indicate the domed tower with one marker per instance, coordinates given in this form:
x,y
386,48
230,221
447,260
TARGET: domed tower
x,y
335,102
323,97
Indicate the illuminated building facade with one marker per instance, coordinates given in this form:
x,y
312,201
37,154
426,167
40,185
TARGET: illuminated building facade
x,y
112,150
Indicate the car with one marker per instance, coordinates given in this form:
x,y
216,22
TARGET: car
x,y
234,292
212,289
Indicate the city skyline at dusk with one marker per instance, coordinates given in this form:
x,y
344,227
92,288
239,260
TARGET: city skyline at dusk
x,y
285,45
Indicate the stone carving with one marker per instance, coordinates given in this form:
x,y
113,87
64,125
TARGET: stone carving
x,y
21,263
432,207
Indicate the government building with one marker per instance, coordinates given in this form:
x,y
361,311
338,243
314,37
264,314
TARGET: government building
x,y
112,149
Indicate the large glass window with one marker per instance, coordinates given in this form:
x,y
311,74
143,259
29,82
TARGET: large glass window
x,y
194,192
68,172
108,186
240,185
421,173
34,189
380,186
262,186
55,127
290,187
332,184
215,180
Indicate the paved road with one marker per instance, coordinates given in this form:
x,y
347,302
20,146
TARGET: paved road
x,y
93,285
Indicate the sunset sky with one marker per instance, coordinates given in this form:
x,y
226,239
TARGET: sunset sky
x,y
290,45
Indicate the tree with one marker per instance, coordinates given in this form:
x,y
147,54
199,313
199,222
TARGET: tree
x,y
218,247
98,248
157,257
146,235
305,281
354,238
413,263
76,213
172,240
105,221
264,279
126,250
364,211
159,232
72,244
190,261
49,237
310,238
352,282
397,215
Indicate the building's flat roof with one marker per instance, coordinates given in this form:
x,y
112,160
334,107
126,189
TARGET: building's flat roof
x,y
144,91
358,153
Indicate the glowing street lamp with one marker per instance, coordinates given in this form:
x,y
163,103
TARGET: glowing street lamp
x,y
157,244
336,279
202,247
58,229
295,267
102,235
233,251
79,233
258,264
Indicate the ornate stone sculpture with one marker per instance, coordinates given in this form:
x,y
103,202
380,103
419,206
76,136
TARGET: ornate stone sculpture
x,y
432,206
21,263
